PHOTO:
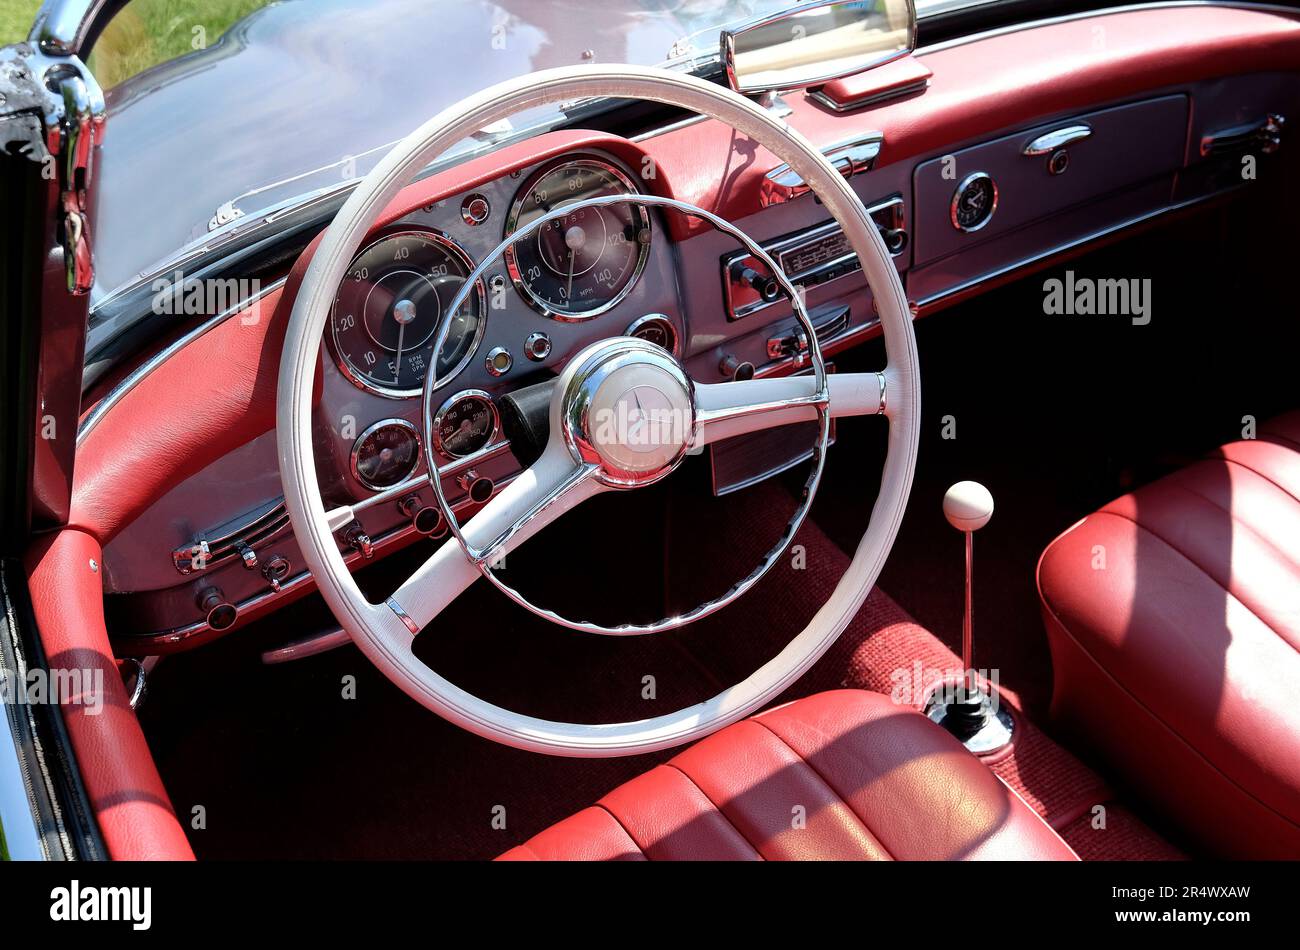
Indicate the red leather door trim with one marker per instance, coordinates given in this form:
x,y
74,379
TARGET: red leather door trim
x,y
126,793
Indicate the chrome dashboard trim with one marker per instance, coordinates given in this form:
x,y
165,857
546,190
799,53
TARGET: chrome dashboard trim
x,y
141,372
386,541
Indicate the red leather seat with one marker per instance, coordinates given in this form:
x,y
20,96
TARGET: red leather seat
x,y
840,775
1173,615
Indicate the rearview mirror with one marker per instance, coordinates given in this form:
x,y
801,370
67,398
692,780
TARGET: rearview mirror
x,y
816,42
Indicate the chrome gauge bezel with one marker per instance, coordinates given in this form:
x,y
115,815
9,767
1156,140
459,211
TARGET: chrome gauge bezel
x,y
545,308
961,190
370,430
656,318
353,375
446,406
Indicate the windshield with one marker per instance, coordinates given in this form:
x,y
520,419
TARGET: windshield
x,y
270,102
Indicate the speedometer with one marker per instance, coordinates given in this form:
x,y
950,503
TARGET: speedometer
x,y
578,265
389,308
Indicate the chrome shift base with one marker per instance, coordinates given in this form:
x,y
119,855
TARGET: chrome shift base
x,y
983,725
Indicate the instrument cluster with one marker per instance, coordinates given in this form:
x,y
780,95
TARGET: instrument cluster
x,y
398,290
391,304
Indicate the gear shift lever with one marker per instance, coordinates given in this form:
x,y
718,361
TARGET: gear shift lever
x,y
969,713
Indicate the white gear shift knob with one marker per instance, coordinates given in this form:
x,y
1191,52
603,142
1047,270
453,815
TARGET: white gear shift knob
x,y
968,506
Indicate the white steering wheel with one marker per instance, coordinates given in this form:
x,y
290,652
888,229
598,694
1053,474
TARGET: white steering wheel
x,y
583,458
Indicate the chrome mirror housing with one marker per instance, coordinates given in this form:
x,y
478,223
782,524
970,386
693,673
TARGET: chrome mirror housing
x,y
813,43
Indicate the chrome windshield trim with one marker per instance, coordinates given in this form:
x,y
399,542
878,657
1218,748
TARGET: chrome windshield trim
x,y
142,371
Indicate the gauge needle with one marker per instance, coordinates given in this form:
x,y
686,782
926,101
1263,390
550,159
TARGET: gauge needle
x,y
397,360
574,238
403,313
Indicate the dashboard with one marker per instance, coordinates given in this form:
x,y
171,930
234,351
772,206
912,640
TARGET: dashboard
x,y
967,183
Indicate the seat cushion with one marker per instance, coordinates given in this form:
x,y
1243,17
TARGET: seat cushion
x,y
1173,615
844,775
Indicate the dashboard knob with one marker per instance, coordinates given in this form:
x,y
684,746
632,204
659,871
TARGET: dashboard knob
x,y
424,518
359,541
219,612
478,487
735,368
764,285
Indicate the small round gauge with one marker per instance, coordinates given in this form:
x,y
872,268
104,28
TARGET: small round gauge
x,y
389,308
581,264
655,328
466,423
974,202
386,454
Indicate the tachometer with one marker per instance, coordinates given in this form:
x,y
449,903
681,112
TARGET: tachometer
x,y
389,307
579,265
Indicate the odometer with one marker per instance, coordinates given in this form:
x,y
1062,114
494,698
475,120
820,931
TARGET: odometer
x,y
389,307
578,265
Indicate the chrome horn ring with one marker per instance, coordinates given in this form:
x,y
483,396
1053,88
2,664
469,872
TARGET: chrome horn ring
x,y
592,464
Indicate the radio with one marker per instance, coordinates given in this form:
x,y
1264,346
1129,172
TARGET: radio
x,y
809,258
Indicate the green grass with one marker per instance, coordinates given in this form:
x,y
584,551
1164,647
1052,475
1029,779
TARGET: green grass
x,y
144,34
16,18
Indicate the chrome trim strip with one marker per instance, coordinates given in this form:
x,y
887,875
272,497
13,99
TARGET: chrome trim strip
x,y
403,616
670,127
115,395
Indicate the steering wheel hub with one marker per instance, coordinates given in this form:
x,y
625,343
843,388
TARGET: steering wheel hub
x,y
628,410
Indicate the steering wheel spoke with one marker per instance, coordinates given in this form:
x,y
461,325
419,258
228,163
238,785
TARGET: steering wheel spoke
x,y
724,410
553,485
